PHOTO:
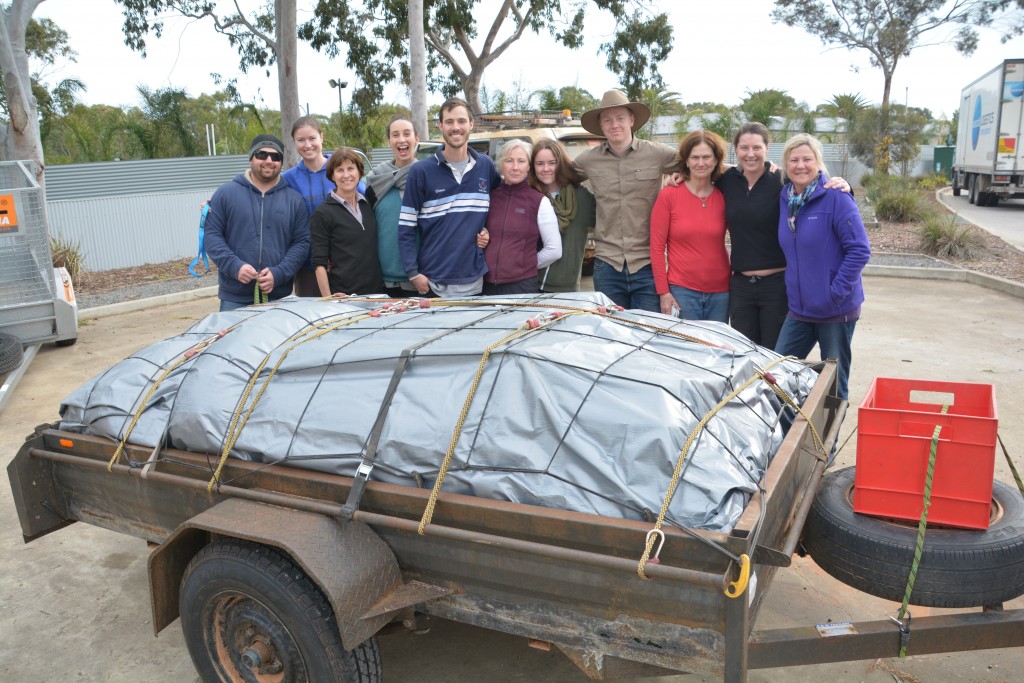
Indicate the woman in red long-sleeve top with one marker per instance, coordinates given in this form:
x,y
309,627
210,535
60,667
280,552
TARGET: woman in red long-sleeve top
x,y
688,255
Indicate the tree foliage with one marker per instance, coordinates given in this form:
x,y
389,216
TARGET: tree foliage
x,y
765,105
887,29
570,97
263,37
462,41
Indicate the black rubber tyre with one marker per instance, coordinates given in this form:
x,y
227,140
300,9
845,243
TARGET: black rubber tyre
x,y
67,342
972,189
11,353
956,186
240,598
959,567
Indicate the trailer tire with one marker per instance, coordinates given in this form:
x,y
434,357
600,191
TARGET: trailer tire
x,y
972,189
956,186
11,353
241,601
959,567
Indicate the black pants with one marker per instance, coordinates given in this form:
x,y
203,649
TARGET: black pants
x,y
527,286
758,306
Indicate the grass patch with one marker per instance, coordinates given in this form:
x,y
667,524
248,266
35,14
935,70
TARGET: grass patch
x,y
898,204
942,236
67,254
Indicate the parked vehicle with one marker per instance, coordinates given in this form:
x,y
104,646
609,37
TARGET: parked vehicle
x,y
989,160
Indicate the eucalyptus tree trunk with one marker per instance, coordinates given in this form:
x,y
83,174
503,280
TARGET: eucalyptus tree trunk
x,y
418,68
21,139
287,75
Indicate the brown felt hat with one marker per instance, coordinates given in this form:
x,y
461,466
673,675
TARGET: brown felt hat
x,y
591,120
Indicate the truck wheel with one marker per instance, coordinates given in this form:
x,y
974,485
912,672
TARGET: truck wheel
x,y
956,186
11,353
972,189
959,567
249,614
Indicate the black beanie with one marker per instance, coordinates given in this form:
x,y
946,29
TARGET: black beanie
x,y
265,140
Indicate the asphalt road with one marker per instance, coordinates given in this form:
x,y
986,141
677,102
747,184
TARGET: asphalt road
x,y
76,604
1005,220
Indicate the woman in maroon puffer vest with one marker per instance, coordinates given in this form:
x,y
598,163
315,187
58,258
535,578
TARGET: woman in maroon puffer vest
x,y
520,218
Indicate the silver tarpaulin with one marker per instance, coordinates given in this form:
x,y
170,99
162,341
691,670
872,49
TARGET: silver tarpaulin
x,y
581,409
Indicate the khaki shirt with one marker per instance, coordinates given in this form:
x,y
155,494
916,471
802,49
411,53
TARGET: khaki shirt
x,y
625,188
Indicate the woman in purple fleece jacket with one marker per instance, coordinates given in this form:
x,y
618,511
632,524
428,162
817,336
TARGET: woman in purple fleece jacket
x,y
826,247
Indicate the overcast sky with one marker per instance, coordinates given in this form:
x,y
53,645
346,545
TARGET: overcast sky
x,y
723,49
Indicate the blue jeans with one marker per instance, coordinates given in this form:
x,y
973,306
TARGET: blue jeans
x,y
797,338
634,290
230,305
694,305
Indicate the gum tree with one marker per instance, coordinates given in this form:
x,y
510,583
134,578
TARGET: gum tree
x,y
462,41
887,30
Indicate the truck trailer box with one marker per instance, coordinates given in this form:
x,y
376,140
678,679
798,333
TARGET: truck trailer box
x,y
989,162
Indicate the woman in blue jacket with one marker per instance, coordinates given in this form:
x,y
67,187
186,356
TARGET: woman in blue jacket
x,y
826,248
309,178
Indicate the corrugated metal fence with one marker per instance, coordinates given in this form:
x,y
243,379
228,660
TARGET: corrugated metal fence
x,y
127,213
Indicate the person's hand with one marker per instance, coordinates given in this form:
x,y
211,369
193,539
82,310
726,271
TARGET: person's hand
x,y
668,304
837,183
266,281
246,274
482,238
675,180
421,283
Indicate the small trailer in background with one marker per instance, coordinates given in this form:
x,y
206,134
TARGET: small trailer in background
x,y
989,161
37,301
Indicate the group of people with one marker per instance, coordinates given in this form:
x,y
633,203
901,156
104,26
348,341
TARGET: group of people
x,y
457,224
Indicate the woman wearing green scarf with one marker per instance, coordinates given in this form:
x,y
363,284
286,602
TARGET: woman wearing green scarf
x,y
552,173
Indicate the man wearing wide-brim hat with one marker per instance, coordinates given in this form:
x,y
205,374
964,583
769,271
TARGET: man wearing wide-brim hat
x,y
625,174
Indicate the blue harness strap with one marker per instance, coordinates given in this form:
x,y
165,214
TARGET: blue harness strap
x,y
201,256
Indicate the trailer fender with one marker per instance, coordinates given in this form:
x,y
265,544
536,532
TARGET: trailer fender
x,y
353,567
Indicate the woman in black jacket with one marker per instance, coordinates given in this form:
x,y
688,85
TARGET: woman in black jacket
x,y
343,232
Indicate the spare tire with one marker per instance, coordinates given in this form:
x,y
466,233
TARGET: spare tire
x,y
959,567
10,353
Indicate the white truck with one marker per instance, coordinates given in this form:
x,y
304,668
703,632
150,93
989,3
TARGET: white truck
x,y
989,161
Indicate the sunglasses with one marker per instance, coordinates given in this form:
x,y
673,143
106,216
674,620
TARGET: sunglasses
x,y
263,155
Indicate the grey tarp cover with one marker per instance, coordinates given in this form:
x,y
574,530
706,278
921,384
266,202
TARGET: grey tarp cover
x,y
586,413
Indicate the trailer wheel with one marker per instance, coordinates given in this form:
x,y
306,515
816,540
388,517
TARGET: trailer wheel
x,y
972,189
11,353
248,613
959,567
956,185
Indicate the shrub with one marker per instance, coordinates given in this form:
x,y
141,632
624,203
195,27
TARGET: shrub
x,y
881,183
67,254
932,182
942,236
898,204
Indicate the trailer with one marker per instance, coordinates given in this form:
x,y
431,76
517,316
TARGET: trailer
x,y
37,301
989,161
284,573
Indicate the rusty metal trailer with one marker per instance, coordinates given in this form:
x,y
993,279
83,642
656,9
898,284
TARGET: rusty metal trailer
x,y
565,578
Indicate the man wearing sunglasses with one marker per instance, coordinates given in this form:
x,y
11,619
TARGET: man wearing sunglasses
x,y
257,231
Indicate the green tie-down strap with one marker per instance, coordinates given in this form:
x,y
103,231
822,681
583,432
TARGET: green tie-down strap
x,y
919,548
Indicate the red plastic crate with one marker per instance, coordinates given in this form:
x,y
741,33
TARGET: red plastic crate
x,y
894,433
